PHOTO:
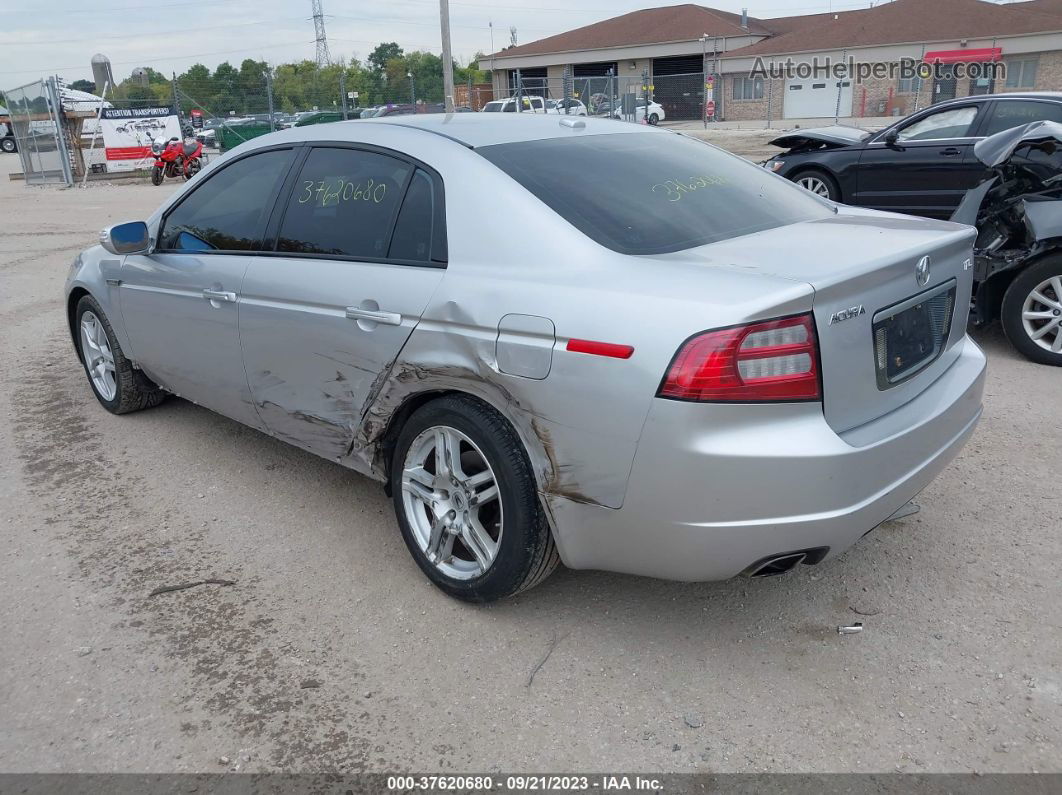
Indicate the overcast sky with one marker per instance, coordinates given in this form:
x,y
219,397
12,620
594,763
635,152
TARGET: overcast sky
x,y
61,36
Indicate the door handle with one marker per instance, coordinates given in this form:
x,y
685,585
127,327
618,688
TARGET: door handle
x,y
219,295
951,151
375,315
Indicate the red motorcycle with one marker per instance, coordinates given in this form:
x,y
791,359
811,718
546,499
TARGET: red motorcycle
x,y
176,158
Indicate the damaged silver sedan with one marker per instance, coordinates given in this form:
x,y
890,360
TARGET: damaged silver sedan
x,y
679,366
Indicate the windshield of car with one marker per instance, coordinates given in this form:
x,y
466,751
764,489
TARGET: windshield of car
x,y
653,194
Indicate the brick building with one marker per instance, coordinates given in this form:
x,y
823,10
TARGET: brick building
x,y
668,52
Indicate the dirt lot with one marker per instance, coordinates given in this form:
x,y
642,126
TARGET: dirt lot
x,y
332,651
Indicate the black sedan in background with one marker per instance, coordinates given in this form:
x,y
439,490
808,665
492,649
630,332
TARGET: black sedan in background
x,y
922,164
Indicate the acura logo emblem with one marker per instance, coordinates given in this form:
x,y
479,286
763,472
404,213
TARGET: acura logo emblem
x,y
922,271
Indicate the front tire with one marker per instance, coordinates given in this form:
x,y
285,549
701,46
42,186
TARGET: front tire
x,y
820,183
467,504
117,385
654,119
7,144
1032,311
156,176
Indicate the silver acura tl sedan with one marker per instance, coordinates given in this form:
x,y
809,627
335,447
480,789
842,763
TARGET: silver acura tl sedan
x,y
552,339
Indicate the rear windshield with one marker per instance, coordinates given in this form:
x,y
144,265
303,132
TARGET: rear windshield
x,y
653,193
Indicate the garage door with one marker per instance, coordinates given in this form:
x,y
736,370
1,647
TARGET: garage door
x,y
816,98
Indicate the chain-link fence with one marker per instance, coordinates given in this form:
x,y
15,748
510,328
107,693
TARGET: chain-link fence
x,y
227,109
626,98
37,123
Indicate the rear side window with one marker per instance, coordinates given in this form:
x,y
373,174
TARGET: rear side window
x,y
1006,114
419,236
226,212
653,193
343,203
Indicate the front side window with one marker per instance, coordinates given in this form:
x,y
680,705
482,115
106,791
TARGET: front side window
x,y
653,194
748,88
1021,73
343,203
1010,113
944,124
226,212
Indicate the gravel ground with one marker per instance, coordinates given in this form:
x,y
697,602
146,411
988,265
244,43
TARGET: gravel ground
x,y
331,651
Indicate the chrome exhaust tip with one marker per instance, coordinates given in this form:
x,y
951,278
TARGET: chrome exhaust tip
x,y
780,564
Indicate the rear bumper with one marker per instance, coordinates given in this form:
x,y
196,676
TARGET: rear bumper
x,y
715,488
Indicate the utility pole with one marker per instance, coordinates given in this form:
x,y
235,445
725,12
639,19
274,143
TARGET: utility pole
x,y
343,91
412,91
269,98
323,58
704,74
447,58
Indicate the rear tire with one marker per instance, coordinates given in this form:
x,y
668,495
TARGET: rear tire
x,y
818,182
156,175
491,490
7,144
193,167
1031,314
654,119
117,385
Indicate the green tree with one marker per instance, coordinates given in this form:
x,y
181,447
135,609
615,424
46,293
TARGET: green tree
x,y
84,85
383,53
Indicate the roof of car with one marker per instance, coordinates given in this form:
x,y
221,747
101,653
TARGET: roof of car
x,y
1053,95
485,129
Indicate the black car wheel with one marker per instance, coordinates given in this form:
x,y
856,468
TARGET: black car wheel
x,y
118,386
467,503
818,182
1032,312
7,144
654,119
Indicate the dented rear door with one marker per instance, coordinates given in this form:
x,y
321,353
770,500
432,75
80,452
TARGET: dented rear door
x,y
358,254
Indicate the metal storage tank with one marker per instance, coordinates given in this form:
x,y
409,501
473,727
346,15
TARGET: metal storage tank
x,y
101,72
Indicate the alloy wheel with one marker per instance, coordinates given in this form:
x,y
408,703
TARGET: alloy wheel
x,y
99,359
1041,314
815,185
452,502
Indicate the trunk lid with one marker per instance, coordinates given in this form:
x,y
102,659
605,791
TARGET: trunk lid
x,y
884,334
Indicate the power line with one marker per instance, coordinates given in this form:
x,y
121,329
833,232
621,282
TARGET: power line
x,y
143,62
128,34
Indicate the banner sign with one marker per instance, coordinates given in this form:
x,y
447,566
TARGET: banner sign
x,y
128,133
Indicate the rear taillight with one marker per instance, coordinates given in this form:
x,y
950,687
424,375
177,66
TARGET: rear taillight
x,y
774,360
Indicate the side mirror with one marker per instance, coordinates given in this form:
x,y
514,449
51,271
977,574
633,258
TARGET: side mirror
x,y
129,238
891,137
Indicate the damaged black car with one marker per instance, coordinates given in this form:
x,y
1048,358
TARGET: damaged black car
x,y
1017,210
922,164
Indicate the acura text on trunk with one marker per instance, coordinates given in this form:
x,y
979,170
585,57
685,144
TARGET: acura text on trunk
x,y
685,367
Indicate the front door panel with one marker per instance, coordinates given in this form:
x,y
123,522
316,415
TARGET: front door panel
x,y
181,314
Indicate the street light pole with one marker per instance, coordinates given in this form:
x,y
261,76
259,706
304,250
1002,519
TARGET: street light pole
x,y
412,91
447,58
